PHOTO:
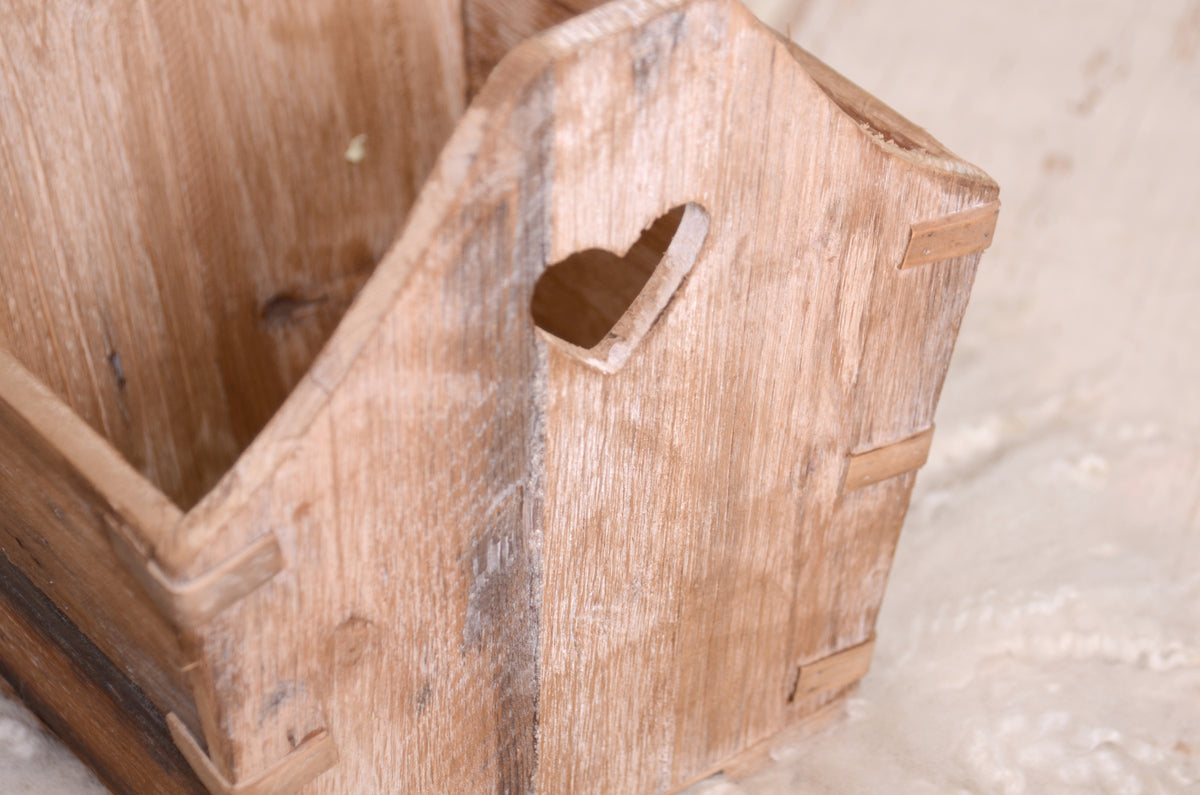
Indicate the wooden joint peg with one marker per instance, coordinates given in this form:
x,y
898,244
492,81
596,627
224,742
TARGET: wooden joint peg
x,y
889,461
313,756
192,602
956,235
834,672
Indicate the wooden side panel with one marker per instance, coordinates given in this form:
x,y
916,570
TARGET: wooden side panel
x,y
637,613
182,230
52,528
91,704
697,550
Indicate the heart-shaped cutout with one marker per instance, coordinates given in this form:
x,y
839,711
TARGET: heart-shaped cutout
x,y
597,306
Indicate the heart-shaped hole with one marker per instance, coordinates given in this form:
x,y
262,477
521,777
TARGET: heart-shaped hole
x,y
597,305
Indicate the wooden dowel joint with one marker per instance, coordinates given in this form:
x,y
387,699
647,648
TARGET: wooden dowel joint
x,y
889,461
838,670
956,235
193,602
312,757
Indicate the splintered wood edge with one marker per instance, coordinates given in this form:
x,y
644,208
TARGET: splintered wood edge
x,y
956,235
192,602
150,514
312,757
834,672
889,461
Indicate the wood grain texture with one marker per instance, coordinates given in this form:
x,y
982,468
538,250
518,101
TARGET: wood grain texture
x,y
93,707
508,564
492,28
478,523
956,235
60,485
597,307
313,756
182,231
834,672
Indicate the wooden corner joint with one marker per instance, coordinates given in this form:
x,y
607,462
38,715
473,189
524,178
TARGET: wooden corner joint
x,y
889,461
838,670
193,602
314,755
956,235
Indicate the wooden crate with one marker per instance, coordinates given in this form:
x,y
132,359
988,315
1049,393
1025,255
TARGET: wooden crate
x,y
588,482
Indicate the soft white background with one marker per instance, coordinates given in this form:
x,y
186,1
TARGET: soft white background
x,y
1041,631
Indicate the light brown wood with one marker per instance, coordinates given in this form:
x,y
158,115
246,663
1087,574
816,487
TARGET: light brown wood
x,y
184,231
832,673
596,307
313,756
191,603
516,528
663,492
872,466
60,482
956,235
492,28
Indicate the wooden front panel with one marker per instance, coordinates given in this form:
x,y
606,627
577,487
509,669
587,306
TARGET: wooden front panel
x,y
697,548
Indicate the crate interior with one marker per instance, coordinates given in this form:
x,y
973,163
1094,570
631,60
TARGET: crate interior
x,y
195,192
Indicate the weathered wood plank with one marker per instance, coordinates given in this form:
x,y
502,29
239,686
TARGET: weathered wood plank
x,y
86,700
60,484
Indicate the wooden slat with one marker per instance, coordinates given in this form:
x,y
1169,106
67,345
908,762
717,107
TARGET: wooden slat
x,y
838,670
191,603
312,757
956,235
871,466
60,485
86,700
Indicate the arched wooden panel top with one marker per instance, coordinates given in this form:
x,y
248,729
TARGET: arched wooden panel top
x,y
583,218
475,523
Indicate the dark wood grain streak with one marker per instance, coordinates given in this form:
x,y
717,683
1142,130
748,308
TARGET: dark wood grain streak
x,y
81,696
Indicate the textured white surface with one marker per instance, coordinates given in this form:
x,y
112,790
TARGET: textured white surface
x,y
1041,632
34,763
